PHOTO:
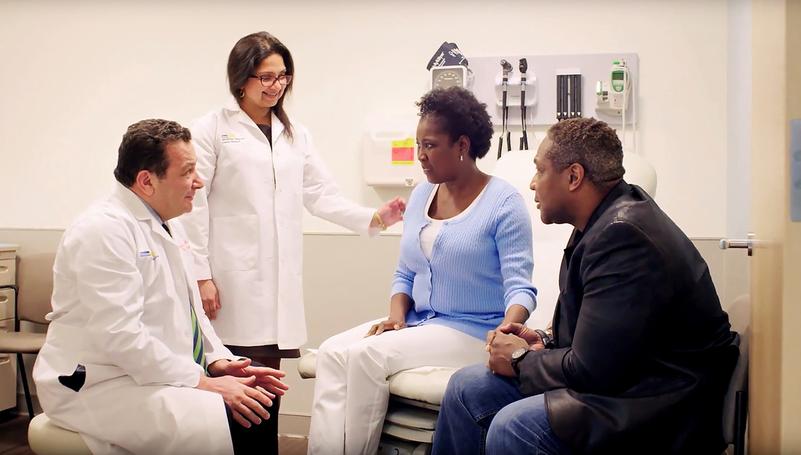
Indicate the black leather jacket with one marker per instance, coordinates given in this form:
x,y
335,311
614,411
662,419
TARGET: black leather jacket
x,y
643,351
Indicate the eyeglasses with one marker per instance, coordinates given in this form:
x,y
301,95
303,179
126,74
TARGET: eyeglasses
x,y
268,80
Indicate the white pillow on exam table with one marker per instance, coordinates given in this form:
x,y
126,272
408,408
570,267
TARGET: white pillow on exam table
x,y
517,167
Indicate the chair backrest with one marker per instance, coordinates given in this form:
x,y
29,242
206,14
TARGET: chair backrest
x,y
740,317
35,284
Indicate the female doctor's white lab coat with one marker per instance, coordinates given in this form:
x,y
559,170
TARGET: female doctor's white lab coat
x,y
246,227
121,297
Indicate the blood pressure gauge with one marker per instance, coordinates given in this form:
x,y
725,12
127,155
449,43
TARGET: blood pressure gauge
x,y
449,76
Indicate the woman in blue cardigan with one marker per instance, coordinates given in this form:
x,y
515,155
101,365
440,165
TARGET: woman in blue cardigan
x,y
465,268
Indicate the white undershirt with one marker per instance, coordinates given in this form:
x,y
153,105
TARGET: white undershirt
x,y
430,232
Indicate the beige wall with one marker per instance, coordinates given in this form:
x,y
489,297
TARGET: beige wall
x,y
75,74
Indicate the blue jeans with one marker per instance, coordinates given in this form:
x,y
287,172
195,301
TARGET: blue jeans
x,y
485,413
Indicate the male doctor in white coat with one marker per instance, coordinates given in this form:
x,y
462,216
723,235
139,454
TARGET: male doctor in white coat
x,y
131,362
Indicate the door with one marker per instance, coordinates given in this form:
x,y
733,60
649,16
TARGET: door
x,y
775,360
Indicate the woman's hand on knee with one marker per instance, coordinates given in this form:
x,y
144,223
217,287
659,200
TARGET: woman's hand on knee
x,y
386,325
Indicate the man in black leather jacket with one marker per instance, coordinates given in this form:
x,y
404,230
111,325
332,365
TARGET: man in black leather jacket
x,y
641,352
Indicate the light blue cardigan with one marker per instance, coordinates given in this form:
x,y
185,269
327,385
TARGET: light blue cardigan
x,y
480,264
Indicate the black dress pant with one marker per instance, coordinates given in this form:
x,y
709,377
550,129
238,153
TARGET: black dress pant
x,y
258,439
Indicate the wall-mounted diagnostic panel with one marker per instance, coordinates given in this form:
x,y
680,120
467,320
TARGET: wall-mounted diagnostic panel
x,y
557,87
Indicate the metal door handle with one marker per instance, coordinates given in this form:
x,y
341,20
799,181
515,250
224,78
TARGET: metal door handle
x,y
739,243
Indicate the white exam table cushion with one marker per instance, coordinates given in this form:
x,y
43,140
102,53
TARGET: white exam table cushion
x,y
426,384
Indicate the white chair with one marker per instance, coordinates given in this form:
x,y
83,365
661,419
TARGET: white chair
x,y
47,438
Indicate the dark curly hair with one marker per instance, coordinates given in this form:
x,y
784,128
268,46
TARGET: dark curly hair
x,y
590,143
460,113
142,148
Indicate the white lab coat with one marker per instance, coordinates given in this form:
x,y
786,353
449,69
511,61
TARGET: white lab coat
x,y
121,297
246,228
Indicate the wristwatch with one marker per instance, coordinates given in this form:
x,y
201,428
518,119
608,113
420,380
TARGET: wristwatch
x,y
546,340
517,356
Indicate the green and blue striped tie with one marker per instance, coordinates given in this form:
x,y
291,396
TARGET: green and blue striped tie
x,y
198,352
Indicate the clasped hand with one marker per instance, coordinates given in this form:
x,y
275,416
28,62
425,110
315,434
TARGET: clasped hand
x,y
247,390
505,340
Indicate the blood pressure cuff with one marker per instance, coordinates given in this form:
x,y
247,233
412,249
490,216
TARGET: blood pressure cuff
x,y
447,55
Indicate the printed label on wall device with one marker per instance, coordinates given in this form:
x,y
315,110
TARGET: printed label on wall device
x,y
403,151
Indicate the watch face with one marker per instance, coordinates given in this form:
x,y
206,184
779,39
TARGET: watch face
x,y
519,353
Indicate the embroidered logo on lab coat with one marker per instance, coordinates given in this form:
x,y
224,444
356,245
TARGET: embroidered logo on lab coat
x,y
148,254
230,138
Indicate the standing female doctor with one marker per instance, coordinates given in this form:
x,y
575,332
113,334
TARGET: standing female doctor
x,y
261,169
